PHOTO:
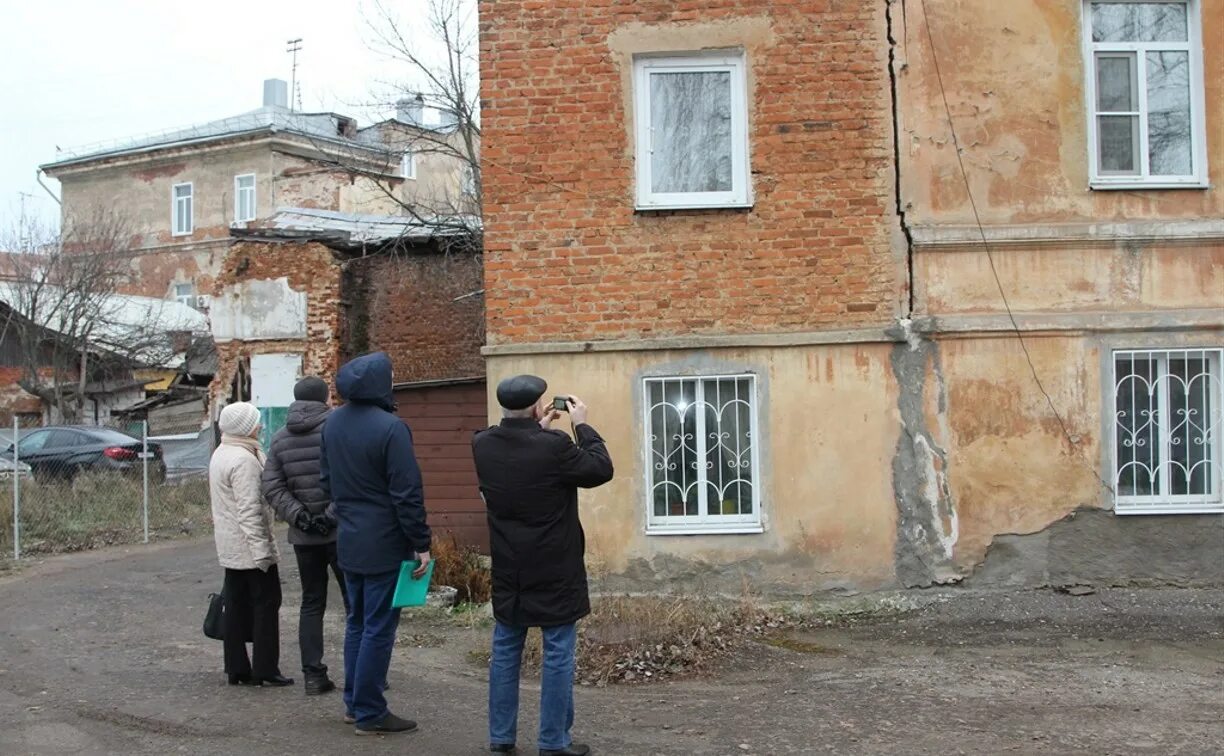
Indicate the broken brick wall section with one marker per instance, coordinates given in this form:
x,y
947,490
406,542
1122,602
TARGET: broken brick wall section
x,y
423,308
307,267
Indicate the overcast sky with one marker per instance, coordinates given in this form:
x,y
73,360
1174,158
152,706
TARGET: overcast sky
x,y
77,72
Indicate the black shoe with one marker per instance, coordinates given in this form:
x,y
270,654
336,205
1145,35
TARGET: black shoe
x,y
241,680
502,748
317,686
389,725
275,681
573,750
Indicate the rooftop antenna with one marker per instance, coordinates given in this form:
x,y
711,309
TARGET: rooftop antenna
x,y
294,46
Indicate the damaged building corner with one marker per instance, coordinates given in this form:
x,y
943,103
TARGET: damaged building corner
x,y
926,513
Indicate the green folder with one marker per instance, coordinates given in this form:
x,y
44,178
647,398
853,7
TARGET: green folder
x,y
410,591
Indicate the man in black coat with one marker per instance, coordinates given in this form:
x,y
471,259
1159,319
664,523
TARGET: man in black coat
x,y
529,477
291,486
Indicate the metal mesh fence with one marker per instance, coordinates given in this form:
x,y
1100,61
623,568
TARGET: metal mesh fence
x,y
68,489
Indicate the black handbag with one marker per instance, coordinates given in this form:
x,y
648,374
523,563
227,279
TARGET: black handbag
x,y
214,619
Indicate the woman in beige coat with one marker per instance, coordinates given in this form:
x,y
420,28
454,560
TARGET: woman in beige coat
x,y
246,548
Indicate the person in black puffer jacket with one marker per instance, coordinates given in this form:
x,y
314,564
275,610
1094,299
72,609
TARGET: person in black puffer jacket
x,y
291,486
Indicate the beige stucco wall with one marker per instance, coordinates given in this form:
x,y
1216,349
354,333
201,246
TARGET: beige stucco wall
x,y
829,435
1054,277
1014,76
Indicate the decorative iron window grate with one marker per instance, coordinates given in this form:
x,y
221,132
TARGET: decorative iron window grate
x,y
703,464
1167,422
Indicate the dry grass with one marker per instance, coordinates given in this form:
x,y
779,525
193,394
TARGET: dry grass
x,y
635,639
643,639
97,510
464,569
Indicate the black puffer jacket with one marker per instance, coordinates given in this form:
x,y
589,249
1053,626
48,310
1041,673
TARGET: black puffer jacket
x,y
291,476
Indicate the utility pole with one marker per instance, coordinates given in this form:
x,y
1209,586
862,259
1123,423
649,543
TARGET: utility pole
x,y
24,238
294,46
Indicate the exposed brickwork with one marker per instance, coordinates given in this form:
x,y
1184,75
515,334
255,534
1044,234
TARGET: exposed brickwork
x,y
423,310
405,304
309,267
567,258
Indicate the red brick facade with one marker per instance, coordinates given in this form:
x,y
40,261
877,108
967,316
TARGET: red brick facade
x,y
568,258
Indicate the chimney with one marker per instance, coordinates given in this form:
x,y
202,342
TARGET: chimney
x,y
276,93
411,111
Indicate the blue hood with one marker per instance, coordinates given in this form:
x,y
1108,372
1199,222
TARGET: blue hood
x,y
367,380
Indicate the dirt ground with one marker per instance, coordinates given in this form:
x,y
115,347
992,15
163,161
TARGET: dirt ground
x,y
102,653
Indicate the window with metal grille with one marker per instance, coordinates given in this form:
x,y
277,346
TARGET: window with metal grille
x,y
182,222
1145,92
703,463
244,198
1167,421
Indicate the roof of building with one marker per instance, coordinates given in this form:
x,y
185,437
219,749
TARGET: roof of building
x,y
120,318
328,127
354,229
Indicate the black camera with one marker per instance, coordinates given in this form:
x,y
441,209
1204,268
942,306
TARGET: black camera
x,y
561,403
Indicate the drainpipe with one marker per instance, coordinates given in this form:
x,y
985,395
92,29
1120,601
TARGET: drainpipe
x,y
47,189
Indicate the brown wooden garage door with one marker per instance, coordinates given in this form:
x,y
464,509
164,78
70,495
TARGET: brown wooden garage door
x,y
443,418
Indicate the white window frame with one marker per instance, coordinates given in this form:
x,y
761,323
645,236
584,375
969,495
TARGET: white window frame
x,y
174,205
740,195
703,523
1138,52
469,181
408,166
187,299
239,191
1164,502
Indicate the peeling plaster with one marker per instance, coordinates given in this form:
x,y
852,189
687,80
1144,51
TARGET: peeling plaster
x,y
927,524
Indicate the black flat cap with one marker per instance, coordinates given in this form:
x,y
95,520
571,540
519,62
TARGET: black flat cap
x,y
520,392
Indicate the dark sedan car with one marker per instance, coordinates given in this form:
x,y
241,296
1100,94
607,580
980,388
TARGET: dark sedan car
x,y
61,452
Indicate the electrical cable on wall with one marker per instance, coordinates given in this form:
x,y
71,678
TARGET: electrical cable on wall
x,y
990,258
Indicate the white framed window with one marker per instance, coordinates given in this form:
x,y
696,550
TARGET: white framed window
x,y
702,455
184,293
244,198
181,220
408,165
1167,455
1144,85
469,181
691,126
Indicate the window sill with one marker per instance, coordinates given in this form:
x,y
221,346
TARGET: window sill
x,y
1169,510
738,529
182,235
1108,186
689,206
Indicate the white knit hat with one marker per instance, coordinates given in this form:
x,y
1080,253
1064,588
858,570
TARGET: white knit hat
x,y
239,419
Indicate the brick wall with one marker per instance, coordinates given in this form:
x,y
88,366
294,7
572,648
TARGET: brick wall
x,y
420,309
567,258
309,267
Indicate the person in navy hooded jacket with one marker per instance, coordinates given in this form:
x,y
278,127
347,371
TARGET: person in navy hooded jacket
x,y
370,471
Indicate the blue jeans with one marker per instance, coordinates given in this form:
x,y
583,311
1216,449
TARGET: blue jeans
x,y
368,640
556,685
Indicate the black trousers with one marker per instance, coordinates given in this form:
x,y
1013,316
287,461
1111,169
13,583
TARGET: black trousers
x,y
252,601
313,563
